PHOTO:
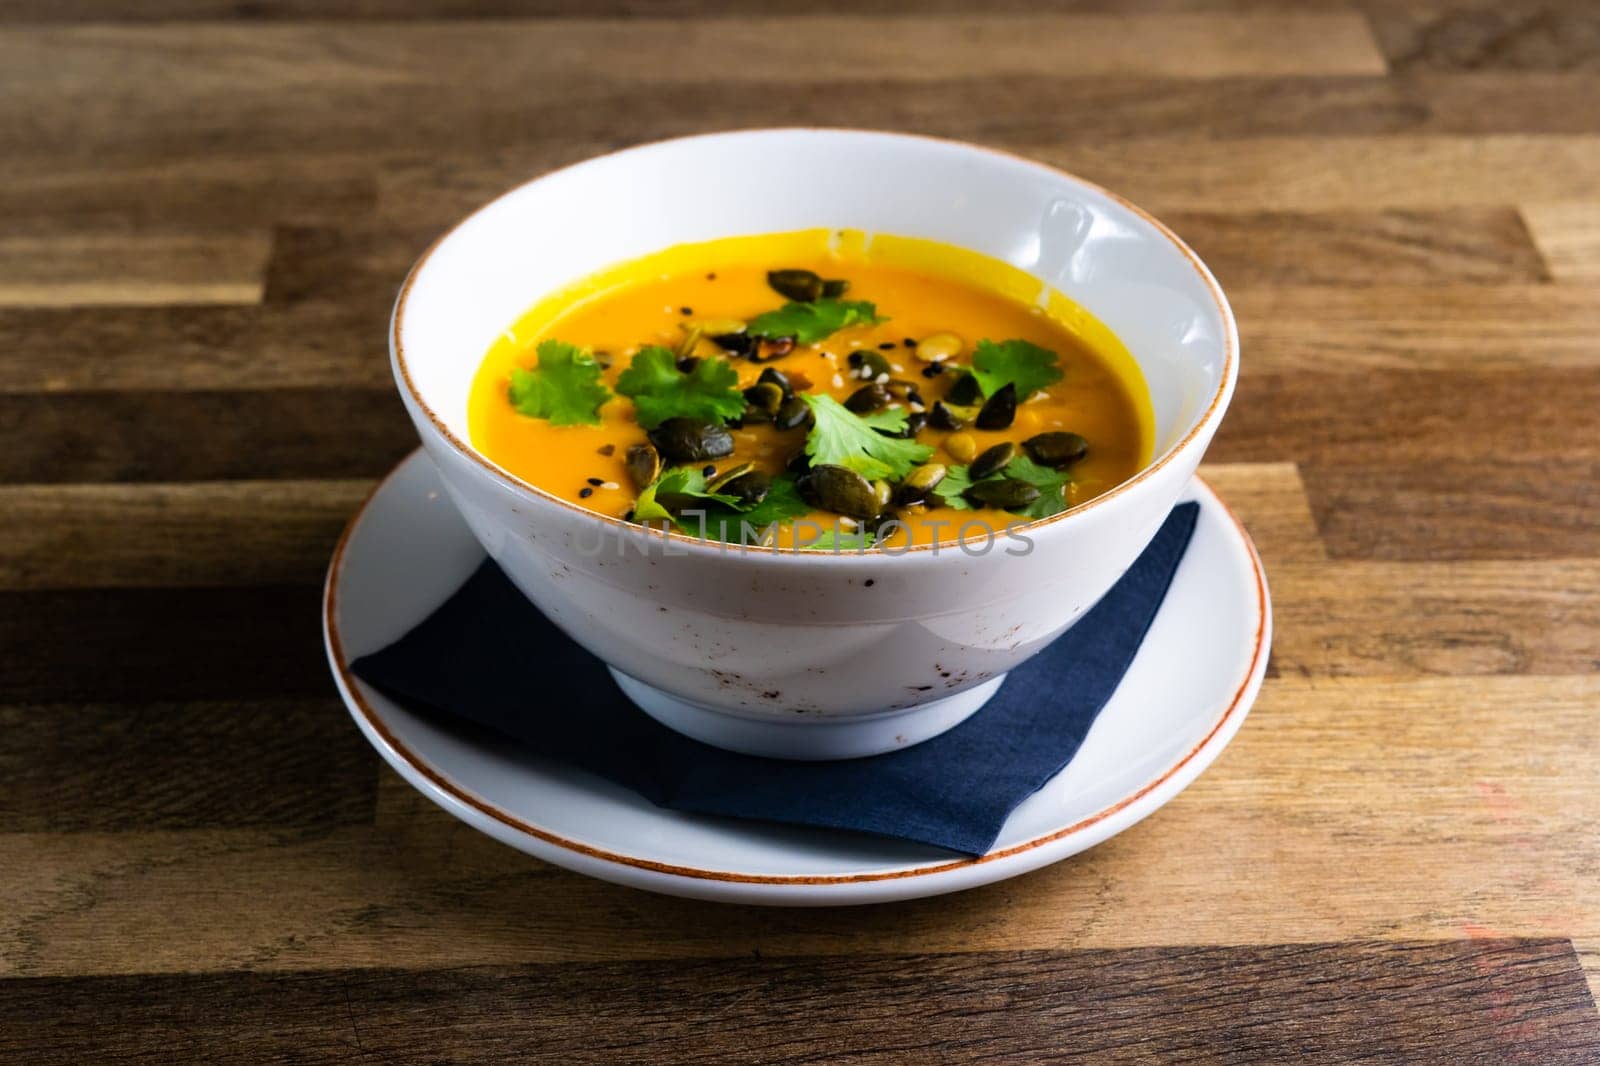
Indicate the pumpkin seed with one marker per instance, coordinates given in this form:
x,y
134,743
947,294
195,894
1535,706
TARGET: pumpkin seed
x,y
868,366
751,487
841,490
801,285
765,396
884,493
1056,450
921,481
868,398
643,463
692,338
961,447
1000,410
948,416
834,288
773,376
733,473
965,392
792,414
716,327
1007,493
741,343
938,348
992,461
687,440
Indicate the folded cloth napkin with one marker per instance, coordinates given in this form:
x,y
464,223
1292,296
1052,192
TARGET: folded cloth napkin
x,y
470,659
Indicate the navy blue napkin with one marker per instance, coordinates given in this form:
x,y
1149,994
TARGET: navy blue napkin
x,y
954,791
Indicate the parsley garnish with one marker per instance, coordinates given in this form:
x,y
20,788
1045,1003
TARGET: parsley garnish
x,y
1051,485
1014,362
809,323
661,391
672,491
564,387
679,496
727,522
842,438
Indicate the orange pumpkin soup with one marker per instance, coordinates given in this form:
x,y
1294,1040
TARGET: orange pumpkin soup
x,y
814,389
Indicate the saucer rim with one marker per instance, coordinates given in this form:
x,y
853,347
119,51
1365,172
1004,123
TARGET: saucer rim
x,y
403,758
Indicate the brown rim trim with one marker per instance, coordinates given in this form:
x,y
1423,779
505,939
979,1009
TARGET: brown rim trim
x,y
1230,342
463,796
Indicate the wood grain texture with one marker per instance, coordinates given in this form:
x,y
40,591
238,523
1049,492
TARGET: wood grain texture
x,y
1348,808
190,534
1568,236
1507,999
1507,508
205,209
281,764
1476,35
199,643
1366,248
134,435
173,269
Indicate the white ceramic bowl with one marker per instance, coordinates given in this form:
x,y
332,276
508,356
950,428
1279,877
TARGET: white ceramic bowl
x,y
811,655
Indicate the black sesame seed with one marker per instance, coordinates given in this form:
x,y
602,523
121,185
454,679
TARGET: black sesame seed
x,y
932,371
585,492
886,346
687,310
909,343
596,481
709,471
711,277
607,449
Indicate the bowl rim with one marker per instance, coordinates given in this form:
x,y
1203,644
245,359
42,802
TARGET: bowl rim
x,y
529,491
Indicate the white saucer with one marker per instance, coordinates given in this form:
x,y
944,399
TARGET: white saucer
x,y
1185,696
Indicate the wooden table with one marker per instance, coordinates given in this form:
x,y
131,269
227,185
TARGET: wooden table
x,y
205,208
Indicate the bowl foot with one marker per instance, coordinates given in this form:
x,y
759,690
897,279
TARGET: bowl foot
x,y
807,737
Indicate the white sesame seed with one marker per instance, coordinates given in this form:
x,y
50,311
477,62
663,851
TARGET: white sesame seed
x,y
898,369
611,486
894,407
838,382
881,379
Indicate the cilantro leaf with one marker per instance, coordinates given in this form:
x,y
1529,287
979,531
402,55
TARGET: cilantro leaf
x,y
809,323
727,522
842,438
951,491
564,387
661,391
672,491
1014,362
1050,483
948,492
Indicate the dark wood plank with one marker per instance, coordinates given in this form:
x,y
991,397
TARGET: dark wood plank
x,y
276,764
391,10
145,645
51,185
202,436
1419,1002
197,533
1362,247
339,343
1394,416
1458,35
1496,509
